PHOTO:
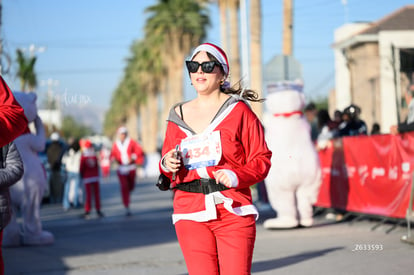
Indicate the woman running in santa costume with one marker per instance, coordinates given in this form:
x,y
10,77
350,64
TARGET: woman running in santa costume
x,y
221,153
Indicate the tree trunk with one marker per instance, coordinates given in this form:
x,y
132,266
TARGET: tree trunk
x,y
172,89
223,23
234,41
256,53
175,71
144,129
152,122
163,112
22,85
132,123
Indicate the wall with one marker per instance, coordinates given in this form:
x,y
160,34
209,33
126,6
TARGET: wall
x,y
366,78
400,39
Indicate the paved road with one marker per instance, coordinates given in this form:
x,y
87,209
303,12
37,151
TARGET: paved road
x,y
145,243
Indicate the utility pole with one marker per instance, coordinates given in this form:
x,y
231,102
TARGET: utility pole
x,y
52,103
287,35
287,27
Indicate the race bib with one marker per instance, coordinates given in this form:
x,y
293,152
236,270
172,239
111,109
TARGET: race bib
x,y
201,150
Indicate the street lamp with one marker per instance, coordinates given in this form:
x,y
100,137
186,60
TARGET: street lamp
x,y
50,83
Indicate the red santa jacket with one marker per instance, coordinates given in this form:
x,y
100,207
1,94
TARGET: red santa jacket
x,y
244,152
13,122
128,154
89,169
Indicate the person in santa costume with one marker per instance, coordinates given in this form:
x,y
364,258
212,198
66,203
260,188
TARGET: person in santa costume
x,y
214,150
89,172
128,154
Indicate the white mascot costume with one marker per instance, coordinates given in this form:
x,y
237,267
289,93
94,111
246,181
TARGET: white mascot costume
x,y
27,194
295,176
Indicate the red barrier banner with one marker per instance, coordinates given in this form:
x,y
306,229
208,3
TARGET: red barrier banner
x,y
368,174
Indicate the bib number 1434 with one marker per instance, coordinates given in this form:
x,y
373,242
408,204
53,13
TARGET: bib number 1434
x,y
201,150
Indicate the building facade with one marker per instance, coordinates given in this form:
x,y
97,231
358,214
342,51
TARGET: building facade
x,y
374,63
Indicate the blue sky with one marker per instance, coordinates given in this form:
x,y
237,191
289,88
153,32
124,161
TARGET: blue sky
x,y
87,41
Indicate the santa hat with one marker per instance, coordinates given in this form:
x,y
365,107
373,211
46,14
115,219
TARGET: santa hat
x,y
82,143
219,54
122,130
87,143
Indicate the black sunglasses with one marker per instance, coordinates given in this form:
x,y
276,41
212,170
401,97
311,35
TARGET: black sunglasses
x,y
206,67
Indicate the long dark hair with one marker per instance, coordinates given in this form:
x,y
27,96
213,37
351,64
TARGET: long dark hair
x,y
75,145
237,89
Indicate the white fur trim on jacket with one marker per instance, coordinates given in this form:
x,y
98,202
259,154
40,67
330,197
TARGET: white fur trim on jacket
x,y
211,212
123,150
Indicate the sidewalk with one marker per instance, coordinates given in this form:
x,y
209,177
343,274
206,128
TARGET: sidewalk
x,y
145,243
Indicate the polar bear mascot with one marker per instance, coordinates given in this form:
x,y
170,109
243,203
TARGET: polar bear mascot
x,y
295,175
27,194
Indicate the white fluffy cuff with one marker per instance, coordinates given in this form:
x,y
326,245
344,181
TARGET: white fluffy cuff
x,y
233,177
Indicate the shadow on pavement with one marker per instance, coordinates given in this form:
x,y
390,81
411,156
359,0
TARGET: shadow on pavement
x,y
290,260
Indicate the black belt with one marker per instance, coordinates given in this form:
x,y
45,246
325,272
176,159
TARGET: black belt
x,y
205,186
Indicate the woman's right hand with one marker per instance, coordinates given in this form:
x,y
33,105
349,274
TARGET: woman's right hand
x,y
394,130
172,163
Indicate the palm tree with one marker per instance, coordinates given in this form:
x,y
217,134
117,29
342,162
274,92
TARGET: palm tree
x,y
173,28
182,25
115,116
133,96
25,72
121,112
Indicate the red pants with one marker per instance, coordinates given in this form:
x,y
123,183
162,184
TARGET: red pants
x,y
222,246
92,188
127,183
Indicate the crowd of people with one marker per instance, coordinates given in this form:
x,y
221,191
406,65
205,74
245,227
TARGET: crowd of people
x,y
343,123
77,167
348,122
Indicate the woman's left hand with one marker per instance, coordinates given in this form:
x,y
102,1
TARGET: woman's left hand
x,y
222,178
